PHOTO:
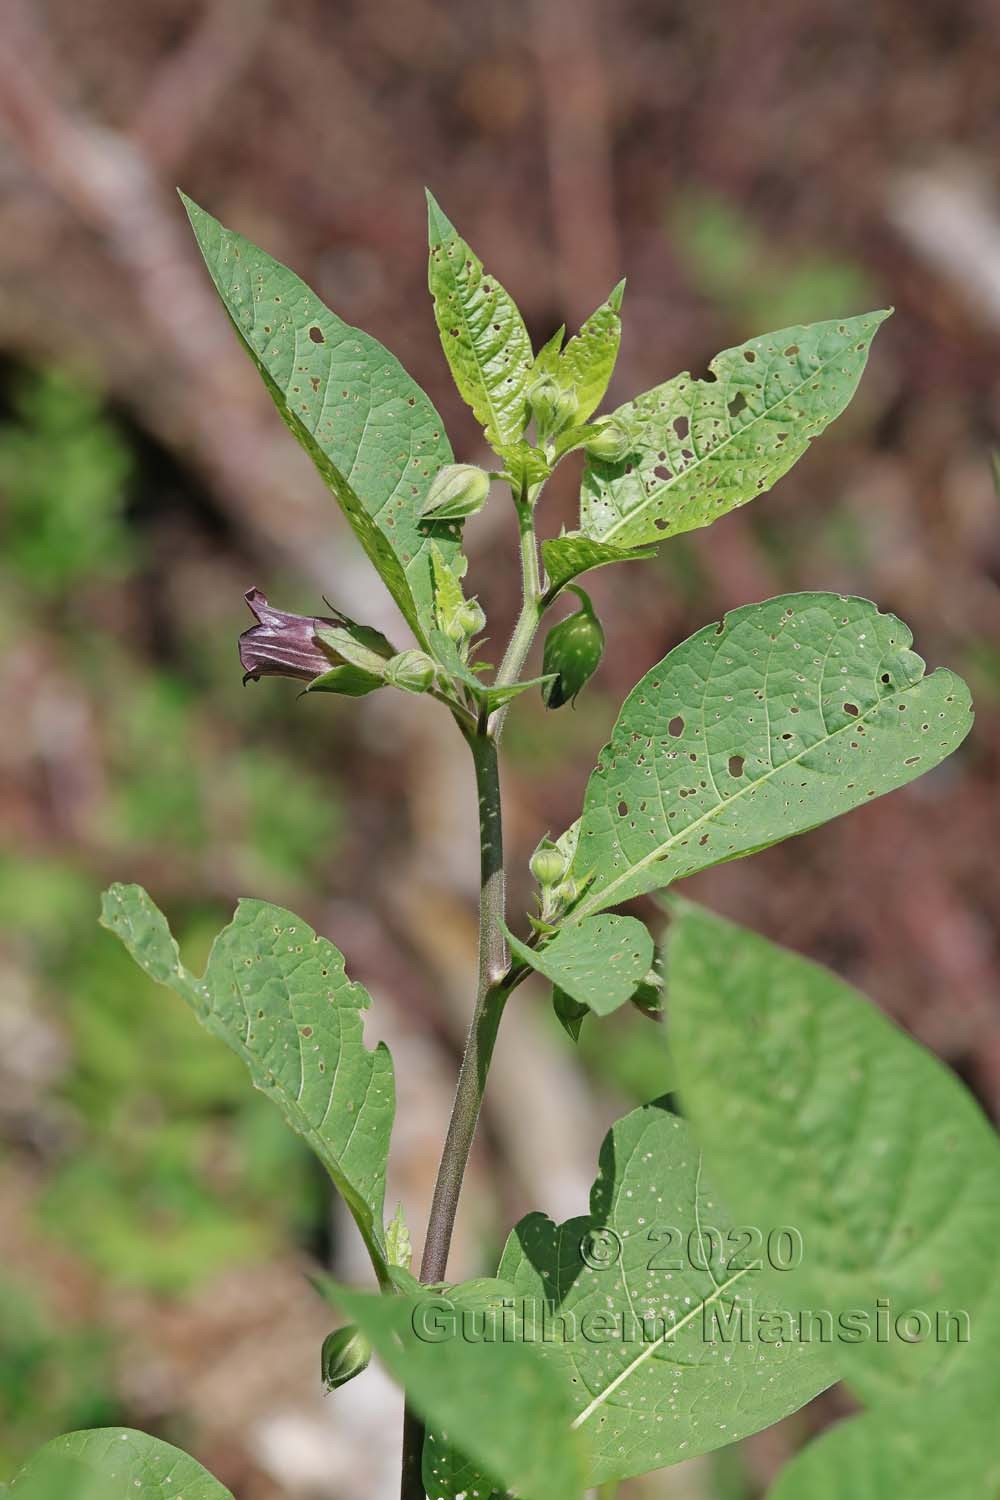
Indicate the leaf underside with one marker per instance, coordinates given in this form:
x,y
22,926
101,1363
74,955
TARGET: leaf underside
x,y
783,716
276,993
859,1137
675,1387
482,332
705,447
372,433
598,963
114,1463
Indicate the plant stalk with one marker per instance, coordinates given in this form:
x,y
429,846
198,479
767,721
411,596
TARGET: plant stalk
x,y
493,987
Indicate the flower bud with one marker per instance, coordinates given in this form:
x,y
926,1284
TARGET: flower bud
x,y
465,621
547,864
611,442
553,406
346,1352
457,491
413,671
572,651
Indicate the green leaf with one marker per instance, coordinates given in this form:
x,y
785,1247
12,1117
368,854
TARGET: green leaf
x,y
398,1247
649,1393
588,360
707,446
566,557
482,333
276,993
815,1110
449,599
547,359
496,697
599,962
921,1447
523,464
113,1463
495,1399
373,435
770,723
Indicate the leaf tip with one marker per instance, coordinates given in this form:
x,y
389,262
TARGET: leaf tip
x,y
615,299
439,226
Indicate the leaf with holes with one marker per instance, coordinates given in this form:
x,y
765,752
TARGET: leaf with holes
x,y
482,332
369,429
778,719
566,557
599,963
493,1397
814,1110
113,1463
636,1306
587,363
276,993
703,447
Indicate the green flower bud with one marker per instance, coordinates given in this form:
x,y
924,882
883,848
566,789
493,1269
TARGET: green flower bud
x,y
553,406
573,649
413,671
547,864
465,621
612,442
457,491
346,1352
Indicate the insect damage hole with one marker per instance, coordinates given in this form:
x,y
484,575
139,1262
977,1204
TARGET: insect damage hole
x,y
852,709
736,764
317,335
676,726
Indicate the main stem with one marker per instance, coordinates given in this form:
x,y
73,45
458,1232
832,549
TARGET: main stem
x,y
494,963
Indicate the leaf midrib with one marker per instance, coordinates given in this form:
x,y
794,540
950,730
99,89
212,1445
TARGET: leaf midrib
x,y
494,416
586,910
713,453
650,1349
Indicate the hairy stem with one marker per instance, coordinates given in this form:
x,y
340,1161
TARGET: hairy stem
x,y
531,610
495,979
490,997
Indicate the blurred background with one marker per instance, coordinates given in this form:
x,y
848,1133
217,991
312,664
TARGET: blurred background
x,y
747,168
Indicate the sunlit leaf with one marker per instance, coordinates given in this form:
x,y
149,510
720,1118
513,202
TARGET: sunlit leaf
x,y
482,333
566,557
770,723
276,993
369,429
599,962
634,1308
588,360
704,447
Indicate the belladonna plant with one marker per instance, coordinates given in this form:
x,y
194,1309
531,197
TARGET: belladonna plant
x,y
817,1199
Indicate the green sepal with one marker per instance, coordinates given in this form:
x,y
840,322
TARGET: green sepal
x,y
349,681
